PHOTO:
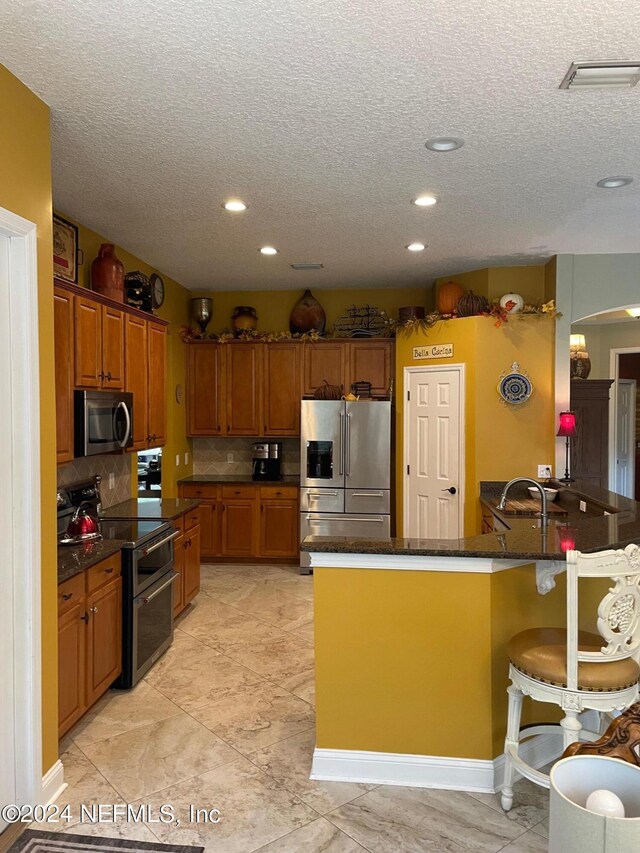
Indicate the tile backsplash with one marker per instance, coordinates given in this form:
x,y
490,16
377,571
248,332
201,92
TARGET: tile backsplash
x,y
87,467
210,455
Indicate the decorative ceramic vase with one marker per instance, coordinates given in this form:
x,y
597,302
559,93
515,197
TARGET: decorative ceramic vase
x,y
244,319
580,366
202,312
107,273
307,314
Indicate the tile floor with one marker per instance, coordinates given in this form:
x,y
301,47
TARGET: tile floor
x,y
226,720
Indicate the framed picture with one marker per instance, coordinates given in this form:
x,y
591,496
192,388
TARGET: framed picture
x,y
65,250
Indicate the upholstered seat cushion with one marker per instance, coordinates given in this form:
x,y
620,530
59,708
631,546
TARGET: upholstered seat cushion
x,y
542,654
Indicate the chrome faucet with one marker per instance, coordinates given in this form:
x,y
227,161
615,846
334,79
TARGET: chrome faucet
x,y
543,495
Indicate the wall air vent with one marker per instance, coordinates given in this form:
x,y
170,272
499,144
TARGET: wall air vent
x,y
611,74
307,266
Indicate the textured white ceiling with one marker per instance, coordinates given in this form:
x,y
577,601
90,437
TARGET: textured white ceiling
x,y
316,113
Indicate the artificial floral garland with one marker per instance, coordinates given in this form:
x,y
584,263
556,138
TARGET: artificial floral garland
x,y
407,327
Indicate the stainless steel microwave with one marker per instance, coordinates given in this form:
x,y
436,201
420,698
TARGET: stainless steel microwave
x,y
103,421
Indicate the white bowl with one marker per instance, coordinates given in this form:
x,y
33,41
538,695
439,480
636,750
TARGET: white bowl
x,y
551,494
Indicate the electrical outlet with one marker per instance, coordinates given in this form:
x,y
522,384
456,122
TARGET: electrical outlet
x,y
583,506
112,481
177,460
231,457
186,458
544,471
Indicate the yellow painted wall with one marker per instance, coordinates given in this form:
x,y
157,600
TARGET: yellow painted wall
x,y
501,441
175,309
274,307
531,282
25,189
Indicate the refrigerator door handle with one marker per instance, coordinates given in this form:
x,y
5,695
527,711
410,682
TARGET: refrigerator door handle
x,y
341,457
348,443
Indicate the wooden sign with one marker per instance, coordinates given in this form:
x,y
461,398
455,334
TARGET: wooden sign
x,y
433,351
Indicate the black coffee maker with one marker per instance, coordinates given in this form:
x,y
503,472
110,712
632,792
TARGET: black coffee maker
x,y
267,461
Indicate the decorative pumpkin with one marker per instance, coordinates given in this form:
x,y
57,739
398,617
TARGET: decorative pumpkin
x,y
449,295
471,304
328,392
512,303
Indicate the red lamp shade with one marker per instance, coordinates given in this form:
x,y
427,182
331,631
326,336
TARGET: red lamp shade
x,y
567,425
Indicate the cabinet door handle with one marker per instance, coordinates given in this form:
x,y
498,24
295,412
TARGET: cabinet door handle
x,y
237,492
108,571
85,618
109,376
66,596
223,507
261,507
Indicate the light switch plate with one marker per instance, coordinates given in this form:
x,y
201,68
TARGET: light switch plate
x,y
231,457
186,458
583,506
177,460
112,481
545,471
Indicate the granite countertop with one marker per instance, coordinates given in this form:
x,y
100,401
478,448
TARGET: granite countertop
x,y
73,559
524,538
153,509
287,480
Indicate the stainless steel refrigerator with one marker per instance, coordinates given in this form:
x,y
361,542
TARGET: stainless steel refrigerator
x,y
345,470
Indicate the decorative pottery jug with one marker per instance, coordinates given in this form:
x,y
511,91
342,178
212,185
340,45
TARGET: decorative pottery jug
x,y
107,273
307,314
244,319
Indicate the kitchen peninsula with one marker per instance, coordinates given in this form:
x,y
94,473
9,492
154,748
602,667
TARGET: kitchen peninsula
x,y
411,637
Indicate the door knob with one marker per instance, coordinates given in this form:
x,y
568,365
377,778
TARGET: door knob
x,y
452,490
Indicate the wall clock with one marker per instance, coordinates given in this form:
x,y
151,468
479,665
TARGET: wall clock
x,y
514,386
157,290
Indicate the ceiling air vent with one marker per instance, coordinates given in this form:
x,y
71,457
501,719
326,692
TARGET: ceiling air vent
x,y
613,74
307,266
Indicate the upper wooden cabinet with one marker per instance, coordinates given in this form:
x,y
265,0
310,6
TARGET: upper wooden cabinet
x,y
63,337
241,388
100,344
243,376
282,388
156,372
205,396
99,340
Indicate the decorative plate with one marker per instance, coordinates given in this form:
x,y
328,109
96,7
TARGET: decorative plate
x,y
515,386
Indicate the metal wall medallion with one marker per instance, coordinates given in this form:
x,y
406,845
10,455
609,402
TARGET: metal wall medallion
x,y
514,386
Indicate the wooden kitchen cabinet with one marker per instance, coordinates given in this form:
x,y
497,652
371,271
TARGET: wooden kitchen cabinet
x,y
104,639
157,372
371,361
64,372
205,395
243,376
178,566
279,522
135,370
323,360
209,512
590,447
89,638
282,388
98,345
239,527
191,586
71,665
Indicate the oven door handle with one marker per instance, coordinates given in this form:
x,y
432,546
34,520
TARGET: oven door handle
x,y
149,598
122,405
146,551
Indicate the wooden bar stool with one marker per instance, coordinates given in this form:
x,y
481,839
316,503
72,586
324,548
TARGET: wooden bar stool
x,y
573,669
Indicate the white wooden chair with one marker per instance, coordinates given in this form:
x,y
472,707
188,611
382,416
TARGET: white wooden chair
x,y
575,669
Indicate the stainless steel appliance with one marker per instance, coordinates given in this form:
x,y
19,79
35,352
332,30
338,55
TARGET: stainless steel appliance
x,y
345,458
267,461
103,421
147,579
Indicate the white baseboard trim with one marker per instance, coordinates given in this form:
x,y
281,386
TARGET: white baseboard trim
x,y
53,784
426,771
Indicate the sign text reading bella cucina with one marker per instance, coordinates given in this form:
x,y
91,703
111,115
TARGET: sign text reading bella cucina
x,y
433,351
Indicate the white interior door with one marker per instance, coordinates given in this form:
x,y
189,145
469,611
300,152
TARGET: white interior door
x,y
434,426
8,787
625,437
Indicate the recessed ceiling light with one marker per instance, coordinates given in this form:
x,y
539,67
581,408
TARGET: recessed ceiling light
x,y
615,182
416,247
424,200
269,250
234,205
444,143
633,312
602,74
